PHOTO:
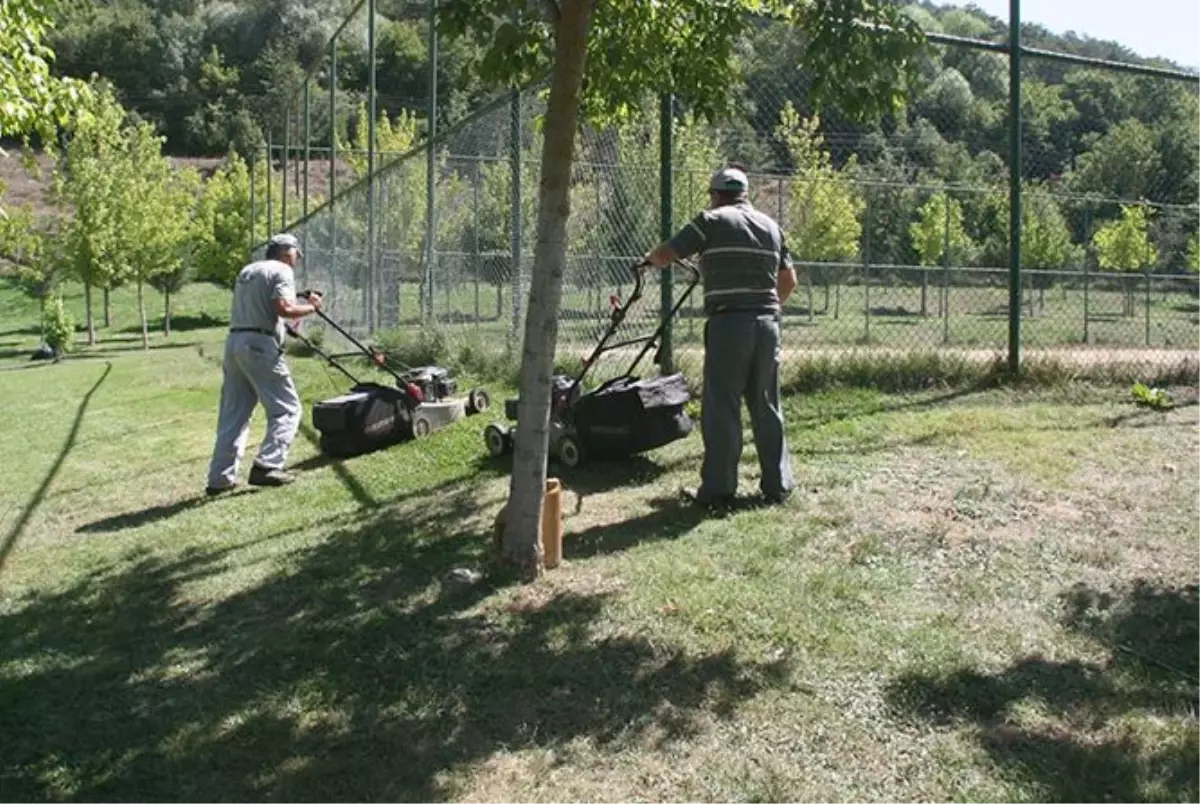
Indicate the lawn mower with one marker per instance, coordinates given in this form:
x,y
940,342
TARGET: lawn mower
x,y
623,416
372,416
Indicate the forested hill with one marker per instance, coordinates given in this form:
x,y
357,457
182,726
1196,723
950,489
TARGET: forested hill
x,y
210,73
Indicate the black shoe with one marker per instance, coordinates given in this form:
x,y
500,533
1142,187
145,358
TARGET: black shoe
x,y
706,500
777,498
214,491
262,476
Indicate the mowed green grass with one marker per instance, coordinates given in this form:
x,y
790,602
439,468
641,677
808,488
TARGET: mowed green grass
x,y
975,595
1059,318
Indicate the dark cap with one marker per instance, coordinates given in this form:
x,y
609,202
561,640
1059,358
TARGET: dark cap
x,y
284,241
729,180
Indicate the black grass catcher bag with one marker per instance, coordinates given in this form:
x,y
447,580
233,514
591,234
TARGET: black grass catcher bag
x,y
629,415
367,418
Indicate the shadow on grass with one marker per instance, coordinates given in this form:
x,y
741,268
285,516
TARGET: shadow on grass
x,y
354,674
33,329
180,323
1143,416
25,352
10,539
136,519
1152,634
596,476
357,490
843,409
115,348
670,518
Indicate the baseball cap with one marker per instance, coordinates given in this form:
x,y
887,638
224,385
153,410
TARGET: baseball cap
x,y
729,180
285,240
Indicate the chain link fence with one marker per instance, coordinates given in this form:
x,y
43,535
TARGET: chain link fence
x,y
899,232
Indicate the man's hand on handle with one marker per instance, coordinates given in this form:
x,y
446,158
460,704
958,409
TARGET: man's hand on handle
x,y
311,304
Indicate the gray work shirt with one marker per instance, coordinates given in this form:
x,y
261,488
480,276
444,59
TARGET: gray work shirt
x,y
741,252
258,285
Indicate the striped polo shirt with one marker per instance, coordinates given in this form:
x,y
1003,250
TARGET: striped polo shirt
x,y
741,252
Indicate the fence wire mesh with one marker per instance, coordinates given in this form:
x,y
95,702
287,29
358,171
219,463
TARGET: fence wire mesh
x,y
899,232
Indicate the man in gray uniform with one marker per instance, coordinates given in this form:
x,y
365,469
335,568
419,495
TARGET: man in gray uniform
x,y
255,371
748,274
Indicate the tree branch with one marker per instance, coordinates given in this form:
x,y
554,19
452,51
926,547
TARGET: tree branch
x,y
552,11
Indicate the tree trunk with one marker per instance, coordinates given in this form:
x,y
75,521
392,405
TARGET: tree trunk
x,y
924,293
91,319
142,315
522,544
42,317
167,314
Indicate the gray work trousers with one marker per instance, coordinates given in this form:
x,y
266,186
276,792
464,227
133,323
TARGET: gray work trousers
x,y
741,361
254,371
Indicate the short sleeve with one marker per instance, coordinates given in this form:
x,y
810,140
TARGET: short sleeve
x,y
283,286
785,256
691,238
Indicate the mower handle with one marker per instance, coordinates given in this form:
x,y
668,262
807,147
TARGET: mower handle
x,y
639,280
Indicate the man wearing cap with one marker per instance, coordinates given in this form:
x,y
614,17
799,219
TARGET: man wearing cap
x,y
748,275
255,371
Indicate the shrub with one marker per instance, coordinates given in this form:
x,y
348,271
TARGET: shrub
x,y
58,328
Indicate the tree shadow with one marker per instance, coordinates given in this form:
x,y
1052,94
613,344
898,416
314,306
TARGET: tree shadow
x,y
670,518
1147,416
32,329
355,672
842,410
180,323
10,539
136,519
114,348
596,476
1152,634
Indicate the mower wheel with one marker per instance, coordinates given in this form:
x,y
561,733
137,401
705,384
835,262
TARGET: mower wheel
x,y
478,401
422,426
497,441
570,451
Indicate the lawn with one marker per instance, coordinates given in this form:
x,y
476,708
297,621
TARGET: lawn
x,y
889,314
975,595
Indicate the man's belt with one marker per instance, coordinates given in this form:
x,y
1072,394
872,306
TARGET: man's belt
x,y
745,311
270,332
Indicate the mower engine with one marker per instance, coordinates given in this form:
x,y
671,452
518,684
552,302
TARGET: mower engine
x,y
561,397
434,382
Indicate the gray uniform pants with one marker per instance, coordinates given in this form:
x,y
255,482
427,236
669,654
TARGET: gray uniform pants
x,y
254,371
741,361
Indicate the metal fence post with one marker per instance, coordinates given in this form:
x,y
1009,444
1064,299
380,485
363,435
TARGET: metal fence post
x,y
430,166
517,223
476,178
307,141
946,275
287,141
783,228
253,199
268,182
866,263
333,231
691,193
1087,275
1148,266
666,136
371,110
1014,186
